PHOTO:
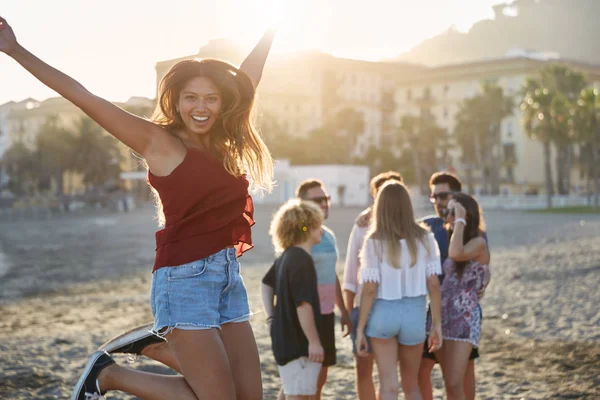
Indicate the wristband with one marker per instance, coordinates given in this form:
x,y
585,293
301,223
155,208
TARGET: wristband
x,y
457,220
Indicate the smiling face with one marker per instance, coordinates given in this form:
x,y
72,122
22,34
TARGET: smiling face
x,y
200,104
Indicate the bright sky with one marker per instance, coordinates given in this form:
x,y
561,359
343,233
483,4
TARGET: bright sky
x,y
112,46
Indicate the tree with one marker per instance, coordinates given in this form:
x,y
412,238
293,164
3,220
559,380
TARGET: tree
x,y
478,134
587,128
380,159
565,85
55,152
536,106
18,162
98,156
467,135
421,137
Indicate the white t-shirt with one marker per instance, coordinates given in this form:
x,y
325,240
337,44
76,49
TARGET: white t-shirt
x,y
404,281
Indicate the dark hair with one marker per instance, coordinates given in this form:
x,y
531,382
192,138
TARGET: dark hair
x,y
306,185
475,224
382,178
446,177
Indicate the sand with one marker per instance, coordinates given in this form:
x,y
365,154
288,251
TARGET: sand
x,y
68,284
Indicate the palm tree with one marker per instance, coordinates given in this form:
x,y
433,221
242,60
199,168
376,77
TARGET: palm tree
x,y
467,137
477,132
567,85
422,137
536,106
587,126
495,107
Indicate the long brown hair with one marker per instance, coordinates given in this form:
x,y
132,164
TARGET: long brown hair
x,y
235,141
475,224
395,220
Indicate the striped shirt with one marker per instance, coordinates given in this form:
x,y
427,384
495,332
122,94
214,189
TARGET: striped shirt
x,y
325,255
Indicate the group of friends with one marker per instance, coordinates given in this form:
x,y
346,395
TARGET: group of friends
x,y
392,263
203,154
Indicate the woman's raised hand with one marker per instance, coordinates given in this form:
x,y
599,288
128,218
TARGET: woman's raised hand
x,y
8,40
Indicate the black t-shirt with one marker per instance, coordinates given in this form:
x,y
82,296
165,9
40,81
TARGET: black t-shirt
x,y
294,279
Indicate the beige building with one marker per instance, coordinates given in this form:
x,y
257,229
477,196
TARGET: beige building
x,y
301,91
449,85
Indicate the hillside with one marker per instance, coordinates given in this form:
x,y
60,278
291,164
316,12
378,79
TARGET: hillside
x,y
567,27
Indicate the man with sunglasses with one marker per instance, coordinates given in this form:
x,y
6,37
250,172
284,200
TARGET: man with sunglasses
x,y
325,256
443,185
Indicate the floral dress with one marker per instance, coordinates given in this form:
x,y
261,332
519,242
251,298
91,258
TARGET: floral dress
x,y
461,319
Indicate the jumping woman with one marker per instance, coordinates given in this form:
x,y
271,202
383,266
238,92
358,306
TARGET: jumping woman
x,y
198,148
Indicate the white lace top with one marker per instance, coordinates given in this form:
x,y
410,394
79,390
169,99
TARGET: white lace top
x,y
405,281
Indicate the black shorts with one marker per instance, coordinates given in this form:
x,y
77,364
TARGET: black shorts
x,y
426,354
327,335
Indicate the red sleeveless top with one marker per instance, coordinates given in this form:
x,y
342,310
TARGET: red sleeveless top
x,y
206,209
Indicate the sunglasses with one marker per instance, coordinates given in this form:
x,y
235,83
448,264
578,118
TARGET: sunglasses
x,y
321,199
443,196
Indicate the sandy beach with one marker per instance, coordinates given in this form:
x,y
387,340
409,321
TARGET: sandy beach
x,y
68,284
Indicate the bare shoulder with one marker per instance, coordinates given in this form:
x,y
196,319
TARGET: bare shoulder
x,y
164,153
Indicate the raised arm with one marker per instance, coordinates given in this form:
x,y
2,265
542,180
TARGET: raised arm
x,y
254,64
457,251
133,131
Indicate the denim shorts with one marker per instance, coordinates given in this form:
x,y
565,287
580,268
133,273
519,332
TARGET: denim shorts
x,y
402,318
202,294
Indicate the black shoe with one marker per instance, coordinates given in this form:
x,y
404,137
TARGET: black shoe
x,y
87,387
133,341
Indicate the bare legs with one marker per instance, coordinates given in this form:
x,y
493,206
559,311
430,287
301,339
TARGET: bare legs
x,y
365,388
425,379
454,360
214,364
388,353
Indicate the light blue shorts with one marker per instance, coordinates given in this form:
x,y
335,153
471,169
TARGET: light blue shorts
x,y
203,294
403,318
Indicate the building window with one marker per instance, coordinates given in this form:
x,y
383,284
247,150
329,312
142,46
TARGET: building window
x,y
510,154
426,93
510,174
445,112
408,95
509,129
446,89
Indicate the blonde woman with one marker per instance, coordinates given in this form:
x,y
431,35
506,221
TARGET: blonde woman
x,y
400,261
295,319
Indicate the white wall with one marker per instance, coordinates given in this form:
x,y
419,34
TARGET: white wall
x,y
355,178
